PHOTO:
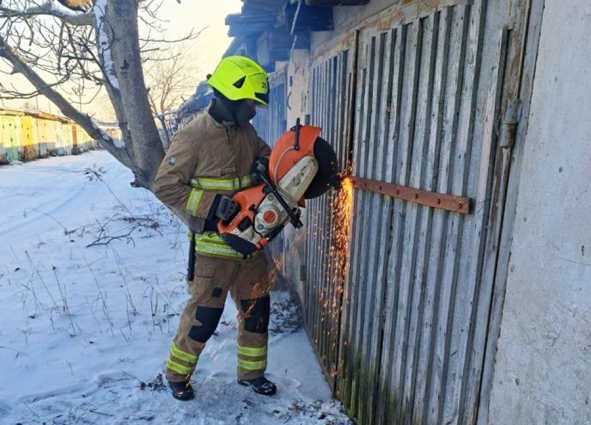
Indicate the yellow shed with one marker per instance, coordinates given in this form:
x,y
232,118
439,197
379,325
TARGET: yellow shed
x,y
27,140
9,135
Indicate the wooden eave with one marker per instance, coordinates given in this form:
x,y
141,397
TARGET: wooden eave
x,y
268,29
241,24
336,2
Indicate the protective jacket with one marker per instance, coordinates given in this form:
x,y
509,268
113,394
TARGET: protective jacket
x,y
207,158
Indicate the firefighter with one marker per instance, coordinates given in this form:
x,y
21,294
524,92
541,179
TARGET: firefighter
x,y
208,161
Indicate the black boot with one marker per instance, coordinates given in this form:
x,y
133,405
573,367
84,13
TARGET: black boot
x,y
182,390
260,385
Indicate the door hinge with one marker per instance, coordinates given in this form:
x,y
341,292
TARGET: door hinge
x,y
509,127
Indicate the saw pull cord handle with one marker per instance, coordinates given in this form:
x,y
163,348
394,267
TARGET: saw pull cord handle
x,y
191,265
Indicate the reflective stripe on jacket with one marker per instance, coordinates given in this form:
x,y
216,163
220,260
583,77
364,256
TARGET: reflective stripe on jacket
x,y
212,244
201,185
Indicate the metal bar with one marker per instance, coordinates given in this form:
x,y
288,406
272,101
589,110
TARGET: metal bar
x,y
453,203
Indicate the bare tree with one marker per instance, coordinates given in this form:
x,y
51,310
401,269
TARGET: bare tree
x,y
92,44
170,76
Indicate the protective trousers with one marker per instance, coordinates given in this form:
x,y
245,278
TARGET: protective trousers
x,y
248,283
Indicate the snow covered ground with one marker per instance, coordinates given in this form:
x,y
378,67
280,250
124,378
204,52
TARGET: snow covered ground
x,y
91,287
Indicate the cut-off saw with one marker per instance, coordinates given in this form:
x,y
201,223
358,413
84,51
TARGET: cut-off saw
x,y
302,166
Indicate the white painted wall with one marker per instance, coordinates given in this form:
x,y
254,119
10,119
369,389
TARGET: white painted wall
x,y
543,365
298,76
298,106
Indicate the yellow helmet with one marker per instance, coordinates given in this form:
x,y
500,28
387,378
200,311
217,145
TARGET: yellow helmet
x,y
239,77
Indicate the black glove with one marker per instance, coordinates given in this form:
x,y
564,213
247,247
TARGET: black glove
x,y
259,167
226,208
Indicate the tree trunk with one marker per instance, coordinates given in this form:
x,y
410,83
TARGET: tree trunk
x,y
129,94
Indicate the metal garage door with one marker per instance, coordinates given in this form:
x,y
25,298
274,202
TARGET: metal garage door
x,y
430,96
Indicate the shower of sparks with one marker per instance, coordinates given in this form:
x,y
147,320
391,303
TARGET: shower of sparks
x,y
342,208
277,268
327,245
331,228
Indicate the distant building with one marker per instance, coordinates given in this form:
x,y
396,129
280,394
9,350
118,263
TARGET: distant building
x,y
27,134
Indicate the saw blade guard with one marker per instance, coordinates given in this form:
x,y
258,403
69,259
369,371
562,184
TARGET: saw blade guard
x,y
287,153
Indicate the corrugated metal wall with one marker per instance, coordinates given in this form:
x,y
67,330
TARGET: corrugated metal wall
x,y
271,123
403,339
331,88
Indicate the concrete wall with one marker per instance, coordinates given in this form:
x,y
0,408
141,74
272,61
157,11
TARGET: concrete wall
x,y
543,365
298,75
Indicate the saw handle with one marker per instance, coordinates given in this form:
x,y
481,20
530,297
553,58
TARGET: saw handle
x,y
259,166
293,217
296,143
226,209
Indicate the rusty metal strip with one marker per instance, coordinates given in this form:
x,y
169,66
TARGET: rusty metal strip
x,y
441,201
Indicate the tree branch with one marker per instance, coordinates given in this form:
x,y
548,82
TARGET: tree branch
x,y
50,9
46,89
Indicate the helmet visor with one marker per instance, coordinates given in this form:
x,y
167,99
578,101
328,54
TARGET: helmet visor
x,y
263,99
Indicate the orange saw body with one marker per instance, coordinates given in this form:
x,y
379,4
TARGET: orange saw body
x,y
301,166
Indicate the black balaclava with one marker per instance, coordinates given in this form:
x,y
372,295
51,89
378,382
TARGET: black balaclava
x,y
234,111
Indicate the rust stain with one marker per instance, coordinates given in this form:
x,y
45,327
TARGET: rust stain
x,y
328,50
453,203
392,20
406,12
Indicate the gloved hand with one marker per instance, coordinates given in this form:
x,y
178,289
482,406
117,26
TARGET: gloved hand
x,y
226,208
259,167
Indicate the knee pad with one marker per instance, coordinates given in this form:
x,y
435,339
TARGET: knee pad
x,y
209,318
257,313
